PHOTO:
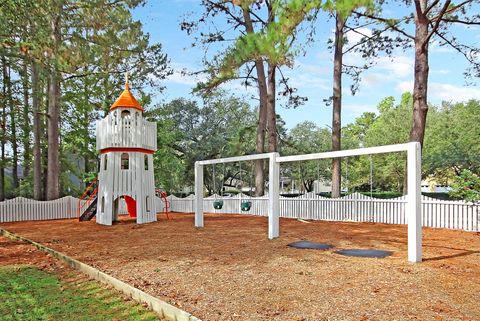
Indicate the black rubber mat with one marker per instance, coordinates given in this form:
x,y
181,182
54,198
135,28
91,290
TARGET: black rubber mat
x,y
310,245
379,254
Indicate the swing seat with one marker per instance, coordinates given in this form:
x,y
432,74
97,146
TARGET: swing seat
x,y
246,205
218,205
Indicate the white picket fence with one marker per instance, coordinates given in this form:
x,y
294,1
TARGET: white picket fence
x,y
354,207
24,209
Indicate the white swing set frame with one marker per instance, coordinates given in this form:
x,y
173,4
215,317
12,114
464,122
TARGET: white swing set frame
x,y
413,205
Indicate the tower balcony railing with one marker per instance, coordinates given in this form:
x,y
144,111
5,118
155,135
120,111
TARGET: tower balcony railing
x,y
126,132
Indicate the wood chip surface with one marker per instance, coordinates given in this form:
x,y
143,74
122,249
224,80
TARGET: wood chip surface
x,y
229,270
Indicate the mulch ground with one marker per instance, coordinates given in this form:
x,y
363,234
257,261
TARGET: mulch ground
x,y
229,270
22,253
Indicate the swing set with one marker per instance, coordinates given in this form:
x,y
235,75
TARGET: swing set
x,y
413,200
245,205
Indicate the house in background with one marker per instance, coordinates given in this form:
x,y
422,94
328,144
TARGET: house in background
x,y
292,186
431,186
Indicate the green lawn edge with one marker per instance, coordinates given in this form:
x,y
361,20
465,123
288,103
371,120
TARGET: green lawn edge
x,y
28,293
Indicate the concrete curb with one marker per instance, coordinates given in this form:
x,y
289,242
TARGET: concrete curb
x,y
164,309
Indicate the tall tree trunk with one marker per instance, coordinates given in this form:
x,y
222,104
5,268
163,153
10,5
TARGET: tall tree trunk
x,y
261,128
262,113
13,135
53,165
53,159
44,122
420,106
420,84
86,122
27,150
3,128
271,112
86,154
37,134
337,106
86,158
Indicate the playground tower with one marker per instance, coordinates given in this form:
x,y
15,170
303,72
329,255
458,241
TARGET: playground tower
x,y
126,142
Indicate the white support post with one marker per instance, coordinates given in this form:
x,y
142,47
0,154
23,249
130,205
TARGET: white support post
x,y
198,195
273,197
136,163
414,205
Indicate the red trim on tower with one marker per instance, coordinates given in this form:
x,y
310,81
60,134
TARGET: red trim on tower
x,y
126,150
116,107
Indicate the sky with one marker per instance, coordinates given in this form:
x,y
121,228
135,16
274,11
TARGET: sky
x,y
312,72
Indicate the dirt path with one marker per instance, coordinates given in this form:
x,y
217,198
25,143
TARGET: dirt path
x,y
229,270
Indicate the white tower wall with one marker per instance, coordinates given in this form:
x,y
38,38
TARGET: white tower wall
x,y
126,145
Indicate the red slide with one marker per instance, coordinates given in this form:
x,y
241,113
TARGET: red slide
x,y
131,206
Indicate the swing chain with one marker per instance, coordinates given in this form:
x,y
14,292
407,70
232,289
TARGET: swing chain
x,y
214,188
251,179
241,182
223,182
371,176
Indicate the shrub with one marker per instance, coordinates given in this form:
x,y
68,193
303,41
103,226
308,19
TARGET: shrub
x,y
466,186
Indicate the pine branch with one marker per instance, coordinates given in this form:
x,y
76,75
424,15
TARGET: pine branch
x,y
257,17
437,23
454,8
457,48
431,6
387,22
461,21
224,9
418,9
365,38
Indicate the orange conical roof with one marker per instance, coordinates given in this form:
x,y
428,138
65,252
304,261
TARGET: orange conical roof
x,y
126,99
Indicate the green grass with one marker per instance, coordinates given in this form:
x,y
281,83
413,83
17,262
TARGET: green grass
x,y
27,293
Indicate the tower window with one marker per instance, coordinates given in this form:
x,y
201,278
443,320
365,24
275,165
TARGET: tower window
x,y
125,113
146,162
102,205
105,163
147,203
124,161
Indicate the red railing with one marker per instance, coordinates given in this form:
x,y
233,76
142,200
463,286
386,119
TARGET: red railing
x,y
163,196
93,187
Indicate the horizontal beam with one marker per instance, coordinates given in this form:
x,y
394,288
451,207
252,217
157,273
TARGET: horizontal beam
x,y
348,153
235,159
